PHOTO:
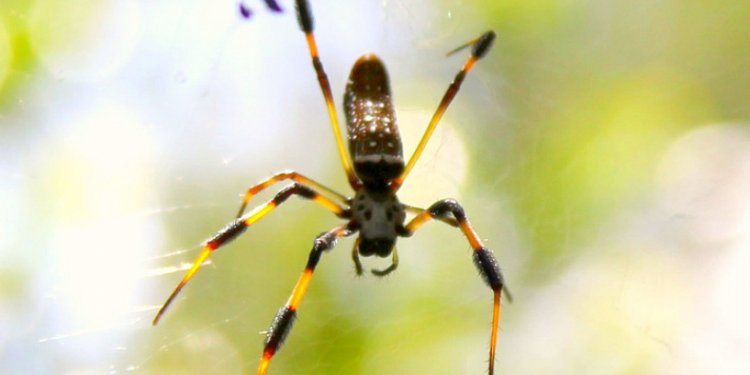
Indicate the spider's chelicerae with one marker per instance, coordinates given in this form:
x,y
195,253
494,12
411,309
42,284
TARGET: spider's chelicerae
x,y
375,172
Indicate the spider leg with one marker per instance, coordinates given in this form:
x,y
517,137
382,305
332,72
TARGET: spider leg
x,y
417,210
480,46
306,23
287,175
239,225
282,322
391,268
484,259
355,258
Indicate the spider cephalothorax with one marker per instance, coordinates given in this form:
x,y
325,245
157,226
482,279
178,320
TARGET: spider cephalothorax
x,y
381,219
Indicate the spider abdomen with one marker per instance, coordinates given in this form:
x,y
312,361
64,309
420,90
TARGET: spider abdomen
x,y
374,140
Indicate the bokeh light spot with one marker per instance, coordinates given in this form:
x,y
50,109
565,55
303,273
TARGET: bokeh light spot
x,y
87,42
441,170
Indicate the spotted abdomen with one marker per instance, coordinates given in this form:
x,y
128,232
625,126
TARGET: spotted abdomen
x,y
374,141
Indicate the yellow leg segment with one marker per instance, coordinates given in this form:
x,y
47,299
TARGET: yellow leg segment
x,y
237,227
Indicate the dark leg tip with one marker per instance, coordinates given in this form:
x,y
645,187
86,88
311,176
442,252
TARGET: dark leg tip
x,y
304,16
483,44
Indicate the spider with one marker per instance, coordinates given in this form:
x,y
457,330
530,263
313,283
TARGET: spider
x,y
375,171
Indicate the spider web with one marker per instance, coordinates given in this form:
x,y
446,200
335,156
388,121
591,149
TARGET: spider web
x,y
583,148
187,179
346,324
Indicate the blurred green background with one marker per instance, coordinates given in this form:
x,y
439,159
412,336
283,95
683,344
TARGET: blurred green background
x,y
601,149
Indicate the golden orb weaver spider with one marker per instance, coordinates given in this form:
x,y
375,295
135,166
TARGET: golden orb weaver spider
x,y
375,171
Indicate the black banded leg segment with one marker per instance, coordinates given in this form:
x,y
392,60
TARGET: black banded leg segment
x,y
287,175
484,259
284,319
239,225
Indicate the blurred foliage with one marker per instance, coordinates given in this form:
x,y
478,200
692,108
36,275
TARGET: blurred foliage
x,y
596,91
579,100
17,61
